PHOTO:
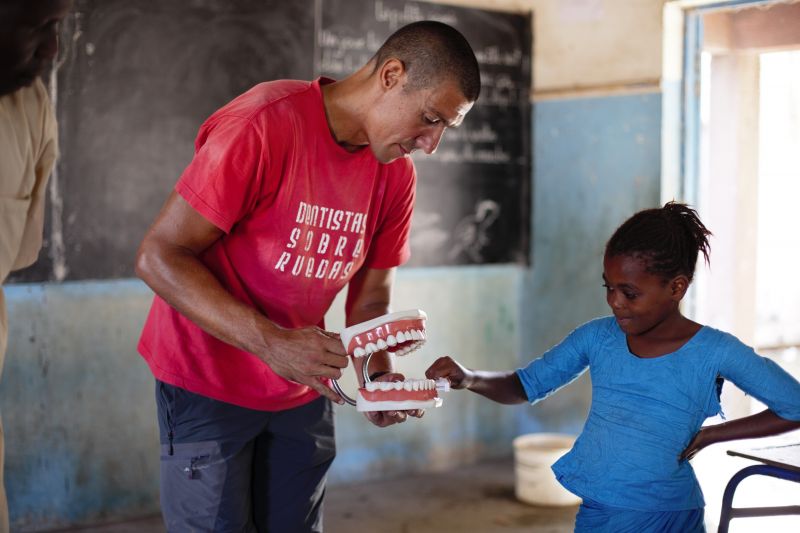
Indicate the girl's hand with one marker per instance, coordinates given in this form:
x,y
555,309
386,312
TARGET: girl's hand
x,y
447,367
696,444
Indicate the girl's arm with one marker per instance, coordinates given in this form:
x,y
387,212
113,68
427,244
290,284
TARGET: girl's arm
x,y
763,424
502,387
560,365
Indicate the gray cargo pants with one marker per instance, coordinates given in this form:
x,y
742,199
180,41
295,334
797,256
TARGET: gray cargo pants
x,y
226,468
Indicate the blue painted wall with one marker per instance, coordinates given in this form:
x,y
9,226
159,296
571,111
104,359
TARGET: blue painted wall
x,y
596,162
77,401
77,404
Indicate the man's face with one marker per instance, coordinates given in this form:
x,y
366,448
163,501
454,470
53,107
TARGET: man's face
x,y
406,120
28,40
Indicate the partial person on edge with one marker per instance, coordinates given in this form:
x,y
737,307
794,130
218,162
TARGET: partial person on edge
x,y
28,146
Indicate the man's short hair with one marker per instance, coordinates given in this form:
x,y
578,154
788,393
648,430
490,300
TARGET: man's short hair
x,y
431,52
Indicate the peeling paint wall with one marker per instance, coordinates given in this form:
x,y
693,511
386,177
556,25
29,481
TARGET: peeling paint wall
x,y
77,401
78,405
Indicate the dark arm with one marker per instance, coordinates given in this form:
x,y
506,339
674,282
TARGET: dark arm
x,y
763,424
502,387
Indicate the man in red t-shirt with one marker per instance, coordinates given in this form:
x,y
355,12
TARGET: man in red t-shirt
x,y
296,189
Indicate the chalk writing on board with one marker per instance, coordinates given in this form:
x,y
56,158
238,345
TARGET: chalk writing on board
x,y
494,55
499,89
467,153
469,143
474,133
411,12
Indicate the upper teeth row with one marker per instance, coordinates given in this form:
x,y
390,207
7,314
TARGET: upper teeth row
x,y
409,385
392,340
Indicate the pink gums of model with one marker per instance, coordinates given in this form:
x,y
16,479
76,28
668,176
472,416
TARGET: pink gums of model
x,y
398,333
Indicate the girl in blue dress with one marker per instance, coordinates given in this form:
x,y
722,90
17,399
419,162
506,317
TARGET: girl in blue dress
x,y
656,377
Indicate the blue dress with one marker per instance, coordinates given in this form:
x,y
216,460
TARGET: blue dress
x,y
645,412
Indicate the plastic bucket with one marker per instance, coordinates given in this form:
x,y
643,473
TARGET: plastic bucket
x,y
536,484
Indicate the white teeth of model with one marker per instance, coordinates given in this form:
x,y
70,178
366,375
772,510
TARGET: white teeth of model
x,y
401,337
398,385
359,352
416,384
408,385
372,386
391,340
415,334
385,385
371,348
422,335
382,344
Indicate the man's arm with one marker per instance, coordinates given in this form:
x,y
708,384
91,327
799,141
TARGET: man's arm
x,y
168,261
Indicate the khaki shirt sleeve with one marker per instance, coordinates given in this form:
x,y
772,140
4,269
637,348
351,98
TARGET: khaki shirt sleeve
x,y
45,154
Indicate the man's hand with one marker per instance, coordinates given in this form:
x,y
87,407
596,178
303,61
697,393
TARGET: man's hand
x,y
447,367
387,418
305,355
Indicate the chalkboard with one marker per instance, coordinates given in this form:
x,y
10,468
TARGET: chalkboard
x,y
136,78
473,194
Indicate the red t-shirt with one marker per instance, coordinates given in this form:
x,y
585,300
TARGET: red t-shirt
x,y
300,214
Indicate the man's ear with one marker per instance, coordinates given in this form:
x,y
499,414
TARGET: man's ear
x,y
392,73
678,287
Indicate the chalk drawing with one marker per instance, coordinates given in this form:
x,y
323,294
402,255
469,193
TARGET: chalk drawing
x,y
471,234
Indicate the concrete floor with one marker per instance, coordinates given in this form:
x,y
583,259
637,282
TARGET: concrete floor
x,y
477,498
480,499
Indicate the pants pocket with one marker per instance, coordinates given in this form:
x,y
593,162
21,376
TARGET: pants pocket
x,y
199,492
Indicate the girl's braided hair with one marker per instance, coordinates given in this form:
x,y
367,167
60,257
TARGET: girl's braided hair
x,y
668,238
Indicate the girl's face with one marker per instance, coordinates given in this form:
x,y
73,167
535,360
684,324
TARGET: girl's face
x,y
640,301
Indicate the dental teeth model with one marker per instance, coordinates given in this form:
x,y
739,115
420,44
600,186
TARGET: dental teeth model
x,y
398,333
398,395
